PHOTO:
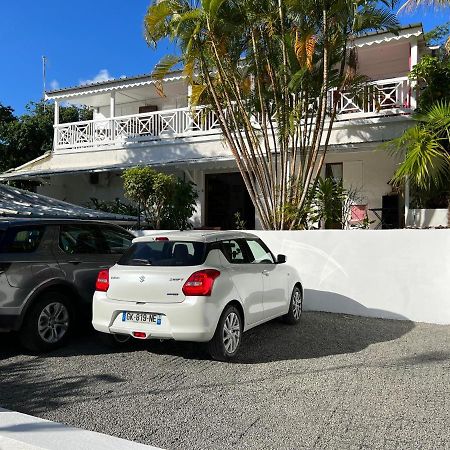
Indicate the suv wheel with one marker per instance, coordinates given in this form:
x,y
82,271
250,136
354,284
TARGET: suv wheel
x,y
48,323
228,336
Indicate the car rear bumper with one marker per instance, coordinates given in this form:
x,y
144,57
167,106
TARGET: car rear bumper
x,y
195,319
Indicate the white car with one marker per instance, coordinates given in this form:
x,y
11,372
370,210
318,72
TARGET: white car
x,y
196,286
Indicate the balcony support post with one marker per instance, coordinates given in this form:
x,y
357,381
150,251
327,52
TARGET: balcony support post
x,y
56,123
112,114
112,105
414,59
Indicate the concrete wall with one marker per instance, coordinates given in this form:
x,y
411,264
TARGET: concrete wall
x,y
422,218
395,274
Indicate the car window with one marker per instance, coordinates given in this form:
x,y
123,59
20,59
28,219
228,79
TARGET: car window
x,y
117,241
260,254
22,239
81,239
164,253
234,251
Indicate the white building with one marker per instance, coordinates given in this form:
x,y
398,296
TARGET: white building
x,y
134,125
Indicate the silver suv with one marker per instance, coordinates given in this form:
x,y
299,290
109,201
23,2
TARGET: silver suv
x,y
48,270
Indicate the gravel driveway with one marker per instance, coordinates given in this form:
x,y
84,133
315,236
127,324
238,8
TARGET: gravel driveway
x,y
335,381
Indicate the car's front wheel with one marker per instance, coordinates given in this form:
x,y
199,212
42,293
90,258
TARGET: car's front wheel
x,y
228,336
295,307
48,323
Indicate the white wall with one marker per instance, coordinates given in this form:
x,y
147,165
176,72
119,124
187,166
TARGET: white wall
x,y
391,274
422,218
395,274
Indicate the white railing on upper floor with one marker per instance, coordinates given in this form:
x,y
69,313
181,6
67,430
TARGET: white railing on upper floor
x,y
182,122
392,96
376,97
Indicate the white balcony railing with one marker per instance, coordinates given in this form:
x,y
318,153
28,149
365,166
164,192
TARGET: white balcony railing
x,y
381,96
182,122
392,96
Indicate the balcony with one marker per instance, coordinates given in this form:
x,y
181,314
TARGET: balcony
x,y
382,97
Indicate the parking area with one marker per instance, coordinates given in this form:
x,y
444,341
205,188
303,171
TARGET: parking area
x,y
334,381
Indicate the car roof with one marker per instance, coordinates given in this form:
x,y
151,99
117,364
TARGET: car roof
x,y
195,235
8,222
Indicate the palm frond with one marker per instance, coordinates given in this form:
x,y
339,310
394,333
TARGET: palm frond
x,y
155,21
426,162
161,70
411,5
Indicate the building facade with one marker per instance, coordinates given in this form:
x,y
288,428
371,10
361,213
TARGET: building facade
x,y
134,125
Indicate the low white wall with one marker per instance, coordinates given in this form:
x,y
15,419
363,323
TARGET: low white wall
x,y
395,274
423,218
392,274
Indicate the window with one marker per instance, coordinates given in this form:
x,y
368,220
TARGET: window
x,y
164,253
259,253
234,251
117,241
81,239
335,171
22,239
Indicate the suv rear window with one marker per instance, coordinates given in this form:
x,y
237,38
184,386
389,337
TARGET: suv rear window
x,y
164,253
22,239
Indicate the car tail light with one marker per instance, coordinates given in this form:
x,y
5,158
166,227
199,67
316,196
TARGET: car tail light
x,y
102,283
200,283
161,239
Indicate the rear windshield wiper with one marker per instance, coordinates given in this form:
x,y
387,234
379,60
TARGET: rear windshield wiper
x,y
141,262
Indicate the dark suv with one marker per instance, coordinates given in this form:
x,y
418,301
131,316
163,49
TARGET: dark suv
x,y
48,270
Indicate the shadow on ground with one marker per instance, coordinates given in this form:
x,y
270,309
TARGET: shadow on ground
x,y
88,371
316,336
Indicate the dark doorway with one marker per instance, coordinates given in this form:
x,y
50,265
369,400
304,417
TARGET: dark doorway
x,y
225,195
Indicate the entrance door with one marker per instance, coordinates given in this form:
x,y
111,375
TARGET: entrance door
x,y
226,195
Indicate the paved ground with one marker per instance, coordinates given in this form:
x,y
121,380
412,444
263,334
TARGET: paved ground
x,y
334,382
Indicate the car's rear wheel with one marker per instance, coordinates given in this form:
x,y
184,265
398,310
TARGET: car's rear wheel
x,y
295,307
228,336
48,323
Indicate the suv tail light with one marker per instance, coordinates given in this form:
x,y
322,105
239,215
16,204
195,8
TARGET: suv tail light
x,y
200,283
102,283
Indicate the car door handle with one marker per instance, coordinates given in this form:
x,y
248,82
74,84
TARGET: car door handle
x,y
75,261
266,273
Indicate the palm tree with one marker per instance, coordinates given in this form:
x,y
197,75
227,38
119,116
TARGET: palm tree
x,y
412,5
266,67
427,161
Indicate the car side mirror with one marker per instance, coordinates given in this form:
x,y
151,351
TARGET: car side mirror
x,y
281,259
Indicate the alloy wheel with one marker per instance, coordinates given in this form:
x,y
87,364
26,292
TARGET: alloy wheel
x,y
297,304
53,322
231,333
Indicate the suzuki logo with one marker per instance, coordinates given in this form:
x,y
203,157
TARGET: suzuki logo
x,y
142,278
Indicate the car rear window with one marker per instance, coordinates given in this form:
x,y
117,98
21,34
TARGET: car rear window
x,y
164,253
21,239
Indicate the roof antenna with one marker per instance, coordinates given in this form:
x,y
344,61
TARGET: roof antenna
x,y
44,76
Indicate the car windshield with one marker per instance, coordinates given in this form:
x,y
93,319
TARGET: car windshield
x,y
164,253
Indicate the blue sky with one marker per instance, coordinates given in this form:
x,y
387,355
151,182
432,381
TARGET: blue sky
x,y
86,40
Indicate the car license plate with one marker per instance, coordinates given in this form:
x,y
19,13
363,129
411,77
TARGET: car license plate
x,y
142,317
